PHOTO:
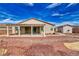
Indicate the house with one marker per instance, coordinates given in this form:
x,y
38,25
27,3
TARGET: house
x,y
28,27
68,29
75,29
65,28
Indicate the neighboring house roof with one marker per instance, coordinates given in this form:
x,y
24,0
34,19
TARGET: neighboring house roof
x,y
37,20
65,25
75,26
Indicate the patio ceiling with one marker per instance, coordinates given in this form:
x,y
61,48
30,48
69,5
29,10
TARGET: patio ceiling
x,y
22,24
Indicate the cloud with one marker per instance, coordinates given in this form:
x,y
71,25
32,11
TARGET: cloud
x,y
57,14
9,21
30,4
68,22
70,4
65,22
4,14
53,5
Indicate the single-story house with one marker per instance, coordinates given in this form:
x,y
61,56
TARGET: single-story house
x,y
65,28
68,29
28,27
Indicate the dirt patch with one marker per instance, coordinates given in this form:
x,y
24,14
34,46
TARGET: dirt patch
x,y
40,50
49,50
38,46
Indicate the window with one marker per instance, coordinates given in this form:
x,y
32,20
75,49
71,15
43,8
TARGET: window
x,y
51,29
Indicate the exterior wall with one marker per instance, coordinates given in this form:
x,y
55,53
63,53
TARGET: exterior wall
x,y
48,28
67,29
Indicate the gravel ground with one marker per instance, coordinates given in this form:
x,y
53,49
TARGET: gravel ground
x,y
38,46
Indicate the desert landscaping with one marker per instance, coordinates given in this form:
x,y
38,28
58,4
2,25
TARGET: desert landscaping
x,y
67,45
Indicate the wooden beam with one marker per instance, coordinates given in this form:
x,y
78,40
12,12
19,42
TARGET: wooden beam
x,y
31,30
44,31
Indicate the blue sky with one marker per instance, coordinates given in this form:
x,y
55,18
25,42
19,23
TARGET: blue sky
x,y
57,13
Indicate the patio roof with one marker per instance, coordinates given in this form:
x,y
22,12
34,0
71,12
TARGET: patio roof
x,y
64,25
22,24
37,20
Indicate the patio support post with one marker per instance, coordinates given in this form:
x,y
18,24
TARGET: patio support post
x,y
31,30
40,30
44,31
7,30
19,33
53,30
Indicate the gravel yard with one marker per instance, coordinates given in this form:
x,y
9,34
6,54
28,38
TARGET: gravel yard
x,y
38,46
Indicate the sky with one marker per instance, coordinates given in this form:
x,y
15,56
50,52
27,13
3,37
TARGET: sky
x,y
55,13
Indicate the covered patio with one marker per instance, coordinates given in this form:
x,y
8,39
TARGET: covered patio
x,y
23,29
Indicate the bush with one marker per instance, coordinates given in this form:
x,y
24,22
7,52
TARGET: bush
x,y
53,33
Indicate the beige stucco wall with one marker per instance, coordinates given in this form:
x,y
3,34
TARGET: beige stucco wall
x,y
48,28
66,28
